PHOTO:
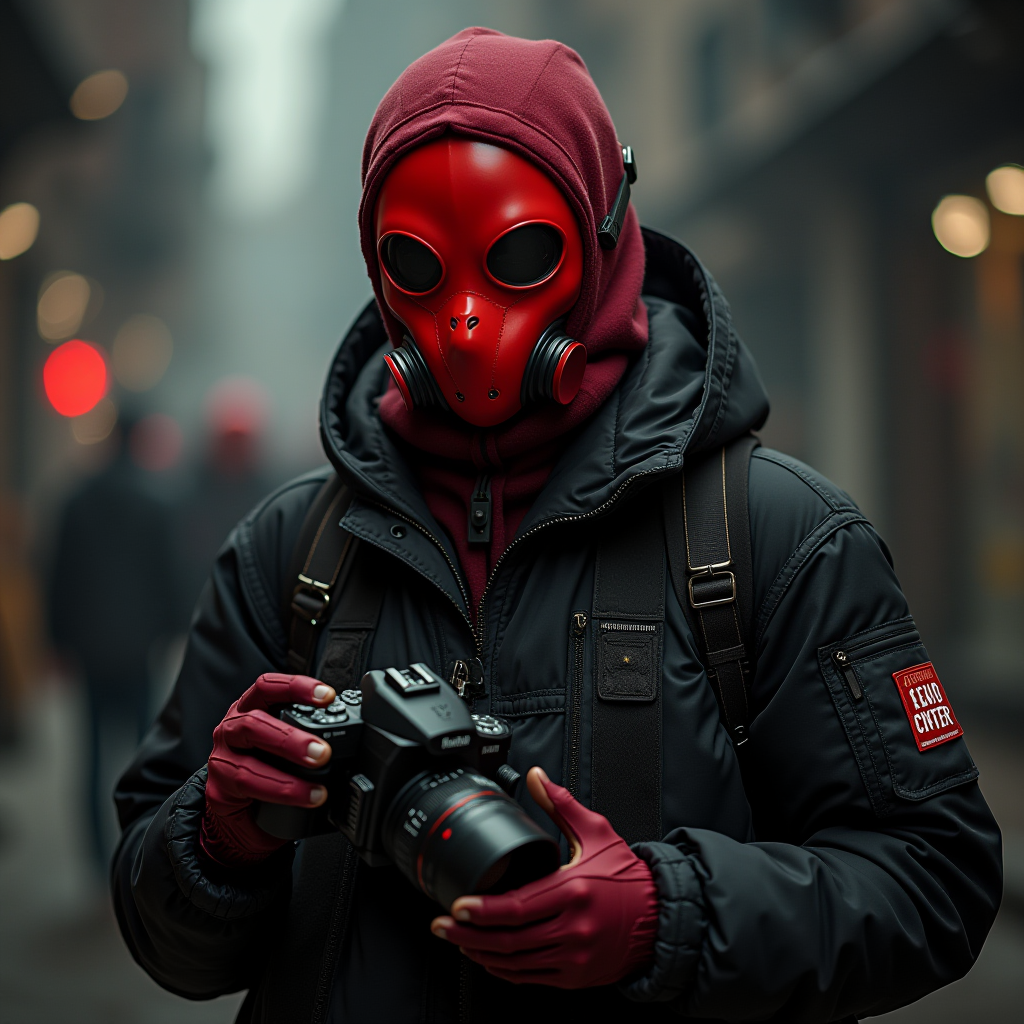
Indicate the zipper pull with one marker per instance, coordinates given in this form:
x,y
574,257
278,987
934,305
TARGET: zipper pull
x,y
467,676
579,623
842,660
480,512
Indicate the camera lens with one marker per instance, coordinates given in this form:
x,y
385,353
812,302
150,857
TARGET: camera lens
x,y
456,833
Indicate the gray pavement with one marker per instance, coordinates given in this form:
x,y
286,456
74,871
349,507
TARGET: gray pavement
x,y
62,959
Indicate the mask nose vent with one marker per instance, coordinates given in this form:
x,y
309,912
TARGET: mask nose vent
x,y
414,380
554,370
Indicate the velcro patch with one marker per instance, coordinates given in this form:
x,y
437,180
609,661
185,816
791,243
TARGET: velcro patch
x,y
931,718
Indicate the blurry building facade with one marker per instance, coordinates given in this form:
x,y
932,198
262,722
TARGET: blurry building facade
x,y
118,199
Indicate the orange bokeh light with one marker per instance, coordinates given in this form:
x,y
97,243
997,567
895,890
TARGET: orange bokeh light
x,y
75,377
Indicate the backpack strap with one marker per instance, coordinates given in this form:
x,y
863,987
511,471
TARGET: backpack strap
x,y
330,565
629,623
327,562
712,571
320,555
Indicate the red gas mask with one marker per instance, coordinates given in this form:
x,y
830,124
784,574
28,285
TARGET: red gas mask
x,y
481,258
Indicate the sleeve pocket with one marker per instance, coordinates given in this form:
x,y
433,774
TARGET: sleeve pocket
x,y
859,673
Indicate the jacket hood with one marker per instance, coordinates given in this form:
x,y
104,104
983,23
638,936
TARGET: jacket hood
x,y
536,98
694,387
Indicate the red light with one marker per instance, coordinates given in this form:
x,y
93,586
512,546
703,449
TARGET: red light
x,y
446,834
75,377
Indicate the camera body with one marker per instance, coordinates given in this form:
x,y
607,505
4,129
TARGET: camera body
x,y
416,780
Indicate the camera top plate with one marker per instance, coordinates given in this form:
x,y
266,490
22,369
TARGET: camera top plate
x,y
417,704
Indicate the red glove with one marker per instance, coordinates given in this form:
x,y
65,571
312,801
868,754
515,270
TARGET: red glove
x,y
234,779
592,922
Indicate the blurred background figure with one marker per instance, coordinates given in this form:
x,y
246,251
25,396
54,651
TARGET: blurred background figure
x,y
112,598
178,190
228,481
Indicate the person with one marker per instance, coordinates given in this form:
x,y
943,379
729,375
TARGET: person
x,y
527,358
228,481
112,596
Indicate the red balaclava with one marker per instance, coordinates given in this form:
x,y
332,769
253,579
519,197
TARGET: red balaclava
x,y
535,101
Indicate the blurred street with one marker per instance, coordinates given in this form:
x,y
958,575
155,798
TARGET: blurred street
x,y
62,958
179,254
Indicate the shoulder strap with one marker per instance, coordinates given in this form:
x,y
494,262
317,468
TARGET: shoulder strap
x,y
708,541
322,551
628,622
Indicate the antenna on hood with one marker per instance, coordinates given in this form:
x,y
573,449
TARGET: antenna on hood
x,y
608,232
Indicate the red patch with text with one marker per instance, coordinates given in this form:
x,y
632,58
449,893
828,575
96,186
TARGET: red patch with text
x,y
931,718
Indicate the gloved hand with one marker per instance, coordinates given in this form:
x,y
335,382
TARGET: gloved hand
x,y
592,922
229,833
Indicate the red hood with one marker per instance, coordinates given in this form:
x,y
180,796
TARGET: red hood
x,y
537,98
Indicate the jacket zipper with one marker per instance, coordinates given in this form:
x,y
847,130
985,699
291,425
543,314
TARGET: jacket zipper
x,y
578,629
451,565
842,660
601,509
845,658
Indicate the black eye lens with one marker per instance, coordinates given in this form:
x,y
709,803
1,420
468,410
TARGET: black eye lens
x,y
410,263
525,255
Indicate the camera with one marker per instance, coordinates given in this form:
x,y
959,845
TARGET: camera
x,y
416,780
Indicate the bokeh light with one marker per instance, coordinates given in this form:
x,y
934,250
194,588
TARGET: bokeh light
x,y
19,225
156,442
96,424
63,300
75,377
961,225
141,352
1006,189
99,95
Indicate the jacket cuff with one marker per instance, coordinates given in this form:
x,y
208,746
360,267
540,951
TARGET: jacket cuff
x,y
681,925
221,892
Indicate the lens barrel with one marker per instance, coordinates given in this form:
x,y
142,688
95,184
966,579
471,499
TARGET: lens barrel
x,y
456,833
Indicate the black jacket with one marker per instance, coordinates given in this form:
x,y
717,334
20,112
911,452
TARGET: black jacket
x,y
113,586
849,875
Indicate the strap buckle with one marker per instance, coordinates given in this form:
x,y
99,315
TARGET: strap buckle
x,y
716,585
310,599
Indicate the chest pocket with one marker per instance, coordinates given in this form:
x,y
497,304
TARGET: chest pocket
x,y
628,660
861,672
